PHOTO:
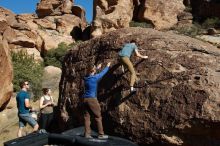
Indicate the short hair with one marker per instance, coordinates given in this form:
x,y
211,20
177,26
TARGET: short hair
x,y
133,41
90,69
45,90
22,83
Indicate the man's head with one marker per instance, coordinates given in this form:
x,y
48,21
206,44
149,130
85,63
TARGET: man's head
x,y
91,69
133,41
137,41
24,85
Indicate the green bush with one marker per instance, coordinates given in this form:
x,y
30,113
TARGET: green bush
x,y
211,22
26,68
192,30
54,57
140,24
188,9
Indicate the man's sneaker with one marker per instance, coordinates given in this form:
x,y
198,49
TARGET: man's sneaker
x,y
42,131
103,137
146,83
122,69
88,136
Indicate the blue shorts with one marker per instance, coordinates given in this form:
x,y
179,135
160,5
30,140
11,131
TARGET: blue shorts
x,y
26,118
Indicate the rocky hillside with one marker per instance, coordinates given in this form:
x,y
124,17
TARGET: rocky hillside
x,y
111,15
55,22
178,106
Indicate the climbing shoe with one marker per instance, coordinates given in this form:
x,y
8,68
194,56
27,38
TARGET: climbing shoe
x,y
133,90
88,136
103,136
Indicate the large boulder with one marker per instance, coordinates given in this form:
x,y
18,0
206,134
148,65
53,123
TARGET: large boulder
x,y
45,23
6,18
177,102
9,15
161,13
28,19
6,89
67,23
23,41
80,12
9,34
111,15
54,7
3,23
52,41
51,79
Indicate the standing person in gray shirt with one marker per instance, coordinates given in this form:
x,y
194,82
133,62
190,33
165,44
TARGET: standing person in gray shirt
x,y
46,109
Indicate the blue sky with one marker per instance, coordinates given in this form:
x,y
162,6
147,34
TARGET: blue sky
x,y
29,6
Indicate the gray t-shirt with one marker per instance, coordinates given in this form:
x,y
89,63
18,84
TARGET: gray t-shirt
x,y
48,109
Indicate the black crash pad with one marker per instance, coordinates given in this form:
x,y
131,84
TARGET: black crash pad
x,y
33,139
80,140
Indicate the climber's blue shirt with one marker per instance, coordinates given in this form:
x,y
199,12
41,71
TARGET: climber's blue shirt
x,y
91,83
127,50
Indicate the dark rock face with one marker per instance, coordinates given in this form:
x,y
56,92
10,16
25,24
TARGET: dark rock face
x,y
206,8
186,2
178,106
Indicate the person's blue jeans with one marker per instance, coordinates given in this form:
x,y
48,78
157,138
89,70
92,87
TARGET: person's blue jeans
x,y
26,118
